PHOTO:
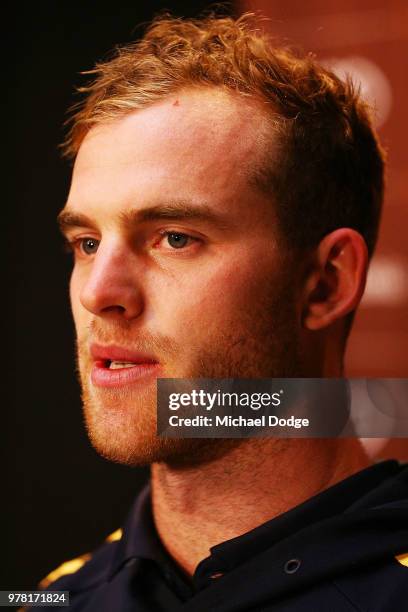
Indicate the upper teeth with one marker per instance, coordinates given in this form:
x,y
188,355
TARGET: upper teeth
x,y
121,364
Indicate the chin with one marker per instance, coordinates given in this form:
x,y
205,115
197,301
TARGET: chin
x,y
118,438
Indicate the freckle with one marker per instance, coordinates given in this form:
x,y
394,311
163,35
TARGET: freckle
x,y
176,103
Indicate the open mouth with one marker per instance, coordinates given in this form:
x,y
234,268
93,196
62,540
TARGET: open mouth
x,y
115,367
110,364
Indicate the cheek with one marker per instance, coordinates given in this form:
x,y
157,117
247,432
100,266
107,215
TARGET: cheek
x,y
218,297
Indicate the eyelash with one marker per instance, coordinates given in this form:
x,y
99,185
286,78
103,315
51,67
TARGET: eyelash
x,y
74,245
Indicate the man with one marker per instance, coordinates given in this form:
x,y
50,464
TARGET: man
x,y
225,201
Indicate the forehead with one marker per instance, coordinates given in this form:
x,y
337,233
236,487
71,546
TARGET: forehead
x,y
201,141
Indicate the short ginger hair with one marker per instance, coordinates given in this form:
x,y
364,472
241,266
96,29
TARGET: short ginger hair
x,y
329,170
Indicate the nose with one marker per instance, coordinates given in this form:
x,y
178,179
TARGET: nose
x,y
112,286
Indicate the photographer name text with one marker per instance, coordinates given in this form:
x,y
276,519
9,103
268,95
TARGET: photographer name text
x,y
239,421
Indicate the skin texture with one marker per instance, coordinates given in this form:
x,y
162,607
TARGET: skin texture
x,y
233,302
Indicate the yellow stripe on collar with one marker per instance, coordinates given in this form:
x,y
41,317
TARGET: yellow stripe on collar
x,y
116,535
73,565
403,559
68,567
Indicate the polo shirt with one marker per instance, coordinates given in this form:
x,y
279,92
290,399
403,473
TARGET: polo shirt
x,y
345,548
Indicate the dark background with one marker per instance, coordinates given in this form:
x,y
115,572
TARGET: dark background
x,y
61,499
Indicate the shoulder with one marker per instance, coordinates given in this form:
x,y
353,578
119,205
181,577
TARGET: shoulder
x,y
85,570
80,573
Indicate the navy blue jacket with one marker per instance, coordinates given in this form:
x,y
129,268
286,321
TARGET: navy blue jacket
x,y
343,550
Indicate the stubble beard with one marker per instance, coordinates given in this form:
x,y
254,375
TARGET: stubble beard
x,y
121,424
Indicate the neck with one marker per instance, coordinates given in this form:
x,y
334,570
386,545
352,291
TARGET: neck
x,y
254,482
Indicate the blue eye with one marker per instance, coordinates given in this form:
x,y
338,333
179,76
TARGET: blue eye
x,y
176,240
89,245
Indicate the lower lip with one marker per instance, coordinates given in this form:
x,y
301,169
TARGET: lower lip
x,y
101,376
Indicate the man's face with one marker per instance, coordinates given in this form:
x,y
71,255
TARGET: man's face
x,y
178,269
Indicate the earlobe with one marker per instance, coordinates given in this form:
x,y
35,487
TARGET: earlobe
x,y
336,283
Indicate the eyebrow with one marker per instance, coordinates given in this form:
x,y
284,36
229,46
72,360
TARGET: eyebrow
x,y
175,211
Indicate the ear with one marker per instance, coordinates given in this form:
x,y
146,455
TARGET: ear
x,y
336,282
